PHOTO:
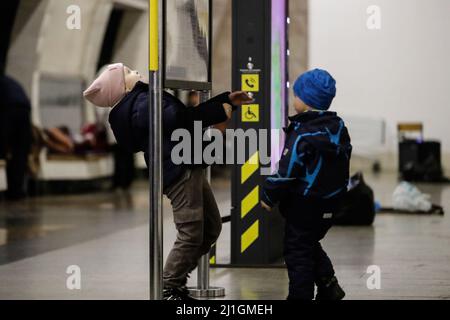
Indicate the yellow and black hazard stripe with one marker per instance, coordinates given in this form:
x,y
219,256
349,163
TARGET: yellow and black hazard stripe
x,y
250,200
248,178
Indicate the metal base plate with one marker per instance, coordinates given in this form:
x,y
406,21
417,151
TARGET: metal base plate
x,y
211,292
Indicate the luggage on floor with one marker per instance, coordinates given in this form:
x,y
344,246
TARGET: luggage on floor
x,y
420,161
357,206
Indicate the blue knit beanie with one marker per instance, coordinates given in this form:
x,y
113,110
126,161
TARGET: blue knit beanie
x,y
316,88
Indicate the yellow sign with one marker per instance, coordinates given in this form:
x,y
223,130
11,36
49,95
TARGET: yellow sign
x,y
250,82
250,113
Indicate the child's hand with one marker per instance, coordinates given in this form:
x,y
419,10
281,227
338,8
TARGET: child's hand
x,y
239,98
265,206
228,110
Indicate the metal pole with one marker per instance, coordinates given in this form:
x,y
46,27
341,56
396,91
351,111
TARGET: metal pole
x,y
203,263
203,289
155,150
203,273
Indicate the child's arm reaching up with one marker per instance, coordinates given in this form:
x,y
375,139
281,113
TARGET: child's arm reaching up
x,y
215,110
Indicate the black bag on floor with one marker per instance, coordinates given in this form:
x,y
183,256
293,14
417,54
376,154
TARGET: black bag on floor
x,y
357,206
420,161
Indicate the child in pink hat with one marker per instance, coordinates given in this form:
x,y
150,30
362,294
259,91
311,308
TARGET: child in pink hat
x,y
196,215
112,85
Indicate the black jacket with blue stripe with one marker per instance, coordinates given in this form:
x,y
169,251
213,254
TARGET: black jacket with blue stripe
x,y
315,161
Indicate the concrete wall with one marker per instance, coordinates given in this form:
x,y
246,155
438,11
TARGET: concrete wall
x,y
399,72
221,60
42,44
23,55
132,42
298,42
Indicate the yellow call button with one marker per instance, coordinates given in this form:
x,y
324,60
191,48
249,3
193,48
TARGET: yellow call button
x,y
250,82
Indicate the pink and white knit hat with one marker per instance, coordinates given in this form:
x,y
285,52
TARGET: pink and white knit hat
x,y
109,88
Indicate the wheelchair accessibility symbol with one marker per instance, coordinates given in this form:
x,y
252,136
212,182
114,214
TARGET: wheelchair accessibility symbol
x,y
250,113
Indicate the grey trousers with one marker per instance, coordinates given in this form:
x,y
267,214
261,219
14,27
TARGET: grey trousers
x,y
198,222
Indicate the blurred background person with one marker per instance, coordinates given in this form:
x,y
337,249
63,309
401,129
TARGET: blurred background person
x,y
15,135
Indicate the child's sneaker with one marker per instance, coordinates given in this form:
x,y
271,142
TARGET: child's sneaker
x,y
329,289
181,293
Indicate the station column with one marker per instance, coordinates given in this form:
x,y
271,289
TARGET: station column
x,y
260,68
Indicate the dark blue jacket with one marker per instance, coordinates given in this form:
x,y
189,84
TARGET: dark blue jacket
x,y
15,123
130,124
12,94
315,161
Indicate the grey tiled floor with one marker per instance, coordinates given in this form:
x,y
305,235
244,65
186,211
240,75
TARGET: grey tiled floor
x,y
107,234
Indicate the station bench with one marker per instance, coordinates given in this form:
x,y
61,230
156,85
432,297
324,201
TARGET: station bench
x,y
75,167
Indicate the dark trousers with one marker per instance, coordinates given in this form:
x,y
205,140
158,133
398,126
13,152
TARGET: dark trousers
x,y
15,145
307,222
198,222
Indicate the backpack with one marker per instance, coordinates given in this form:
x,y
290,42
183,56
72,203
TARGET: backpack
x,y
357,205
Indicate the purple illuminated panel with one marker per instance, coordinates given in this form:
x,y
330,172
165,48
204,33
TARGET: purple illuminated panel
x,y
279,81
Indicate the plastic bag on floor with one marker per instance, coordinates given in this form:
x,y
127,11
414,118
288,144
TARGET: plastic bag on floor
x,y
407,197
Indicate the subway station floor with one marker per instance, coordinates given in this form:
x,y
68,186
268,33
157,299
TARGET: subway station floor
x,y
106,235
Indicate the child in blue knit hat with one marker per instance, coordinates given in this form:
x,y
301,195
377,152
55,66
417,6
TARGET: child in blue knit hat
x,y
312,176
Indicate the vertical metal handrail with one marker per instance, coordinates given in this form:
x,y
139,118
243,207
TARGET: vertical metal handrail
x,y
155,150
203,288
